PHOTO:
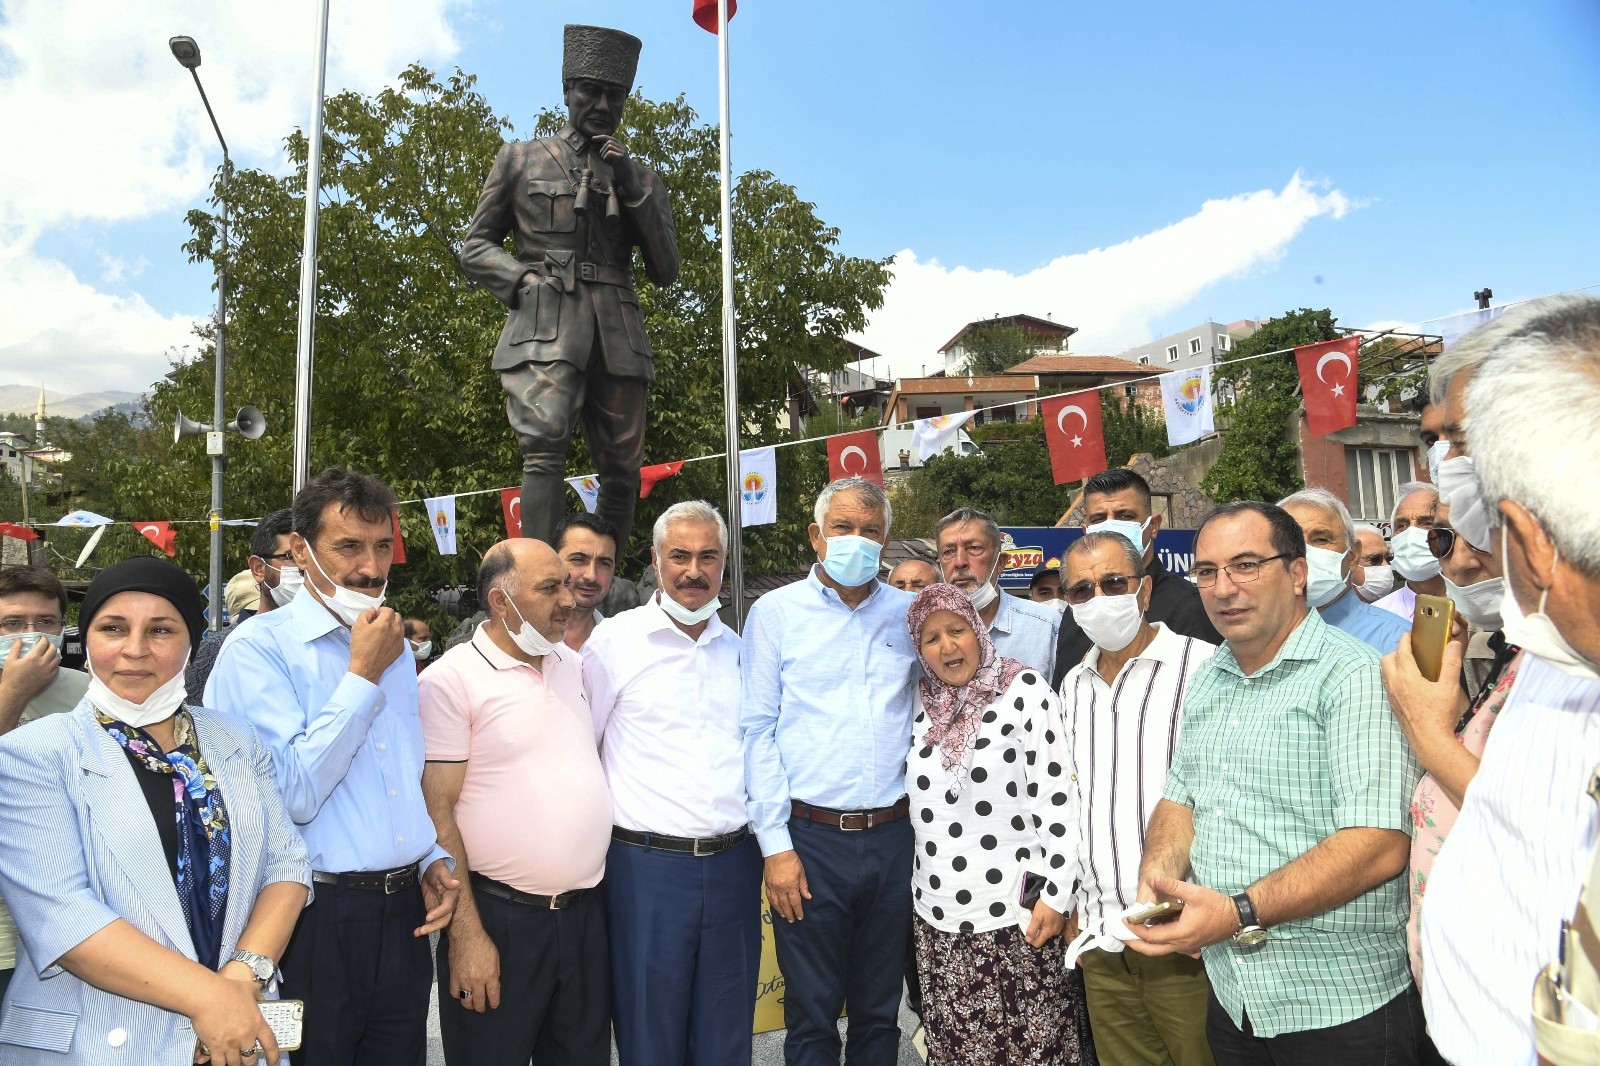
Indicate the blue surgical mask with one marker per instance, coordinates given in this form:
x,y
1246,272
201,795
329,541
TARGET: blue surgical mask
x,y
28,641
1133,531
852,561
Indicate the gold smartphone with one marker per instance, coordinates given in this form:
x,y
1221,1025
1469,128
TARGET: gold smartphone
x,y
1151,911
1430,633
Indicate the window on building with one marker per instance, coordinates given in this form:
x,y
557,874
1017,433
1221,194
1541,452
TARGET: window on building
x,y
1374,477
1172,353
1144,360
1194,345
1224,342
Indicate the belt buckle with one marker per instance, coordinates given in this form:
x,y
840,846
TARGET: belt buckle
x,y
696,852
556,903
866,821
391,879
588,271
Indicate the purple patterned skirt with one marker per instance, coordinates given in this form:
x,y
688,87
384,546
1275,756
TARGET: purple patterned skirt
x,y
989,999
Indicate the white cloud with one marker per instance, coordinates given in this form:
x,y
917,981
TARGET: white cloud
x,y
1110,294
103,126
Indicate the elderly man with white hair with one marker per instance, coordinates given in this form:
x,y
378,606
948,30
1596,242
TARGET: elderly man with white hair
x,y
1372,577
830,681
683,876
1330,559
1416,510
1517,857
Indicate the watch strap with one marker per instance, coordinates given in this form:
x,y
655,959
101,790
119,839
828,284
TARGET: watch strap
x,y
1247,911
257,963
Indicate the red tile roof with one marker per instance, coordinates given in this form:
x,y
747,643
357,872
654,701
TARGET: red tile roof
x,y
1080,364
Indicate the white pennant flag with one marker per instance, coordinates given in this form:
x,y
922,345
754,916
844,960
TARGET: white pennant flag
x,y
83,518
930,436
758,481
588,489
442,520
1186,401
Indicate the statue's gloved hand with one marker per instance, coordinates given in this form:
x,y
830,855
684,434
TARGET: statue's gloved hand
x,y
627,172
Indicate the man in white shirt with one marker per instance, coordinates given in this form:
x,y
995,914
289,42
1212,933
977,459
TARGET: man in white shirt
x,y
1415,512
683,878
1516,858
1121,706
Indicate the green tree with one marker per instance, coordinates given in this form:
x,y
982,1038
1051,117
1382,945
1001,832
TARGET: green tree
x,y
1260,457
403,388
996,346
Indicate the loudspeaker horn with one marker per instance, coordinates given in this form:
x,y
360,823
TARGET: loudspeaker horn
x,y
248,423
185,428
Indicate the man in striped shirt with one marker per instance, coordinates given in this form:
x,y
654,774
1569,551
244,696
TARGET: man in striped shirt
x,y
1121,705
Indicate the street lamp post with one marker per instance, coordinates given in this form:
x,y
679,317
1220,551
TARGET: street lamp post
x,y
187,53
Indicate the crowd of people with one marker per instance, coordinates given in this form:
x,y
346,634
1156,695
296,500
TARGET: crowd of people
x,y
1133,817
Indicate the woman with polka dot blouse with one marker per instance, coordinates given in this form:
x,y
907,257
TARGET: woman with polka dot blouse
x,y
989,800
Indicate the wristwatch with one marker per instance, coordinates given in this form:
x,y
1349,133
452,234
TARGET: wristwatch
x,y
261,967
1250,932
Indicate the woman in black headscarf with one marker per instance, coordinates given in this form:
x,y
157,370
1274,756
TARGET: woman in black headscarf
x,y
145,852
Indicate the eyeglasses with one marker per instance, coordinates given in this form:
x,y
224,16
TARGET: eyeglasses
x,y
1110,585
285,557
1442,541
44,624
1240,573
1375,559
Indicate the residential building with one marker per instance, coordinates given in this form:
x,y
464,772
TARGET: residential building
x,y
1196,346
1071,373
1013,397
1048,337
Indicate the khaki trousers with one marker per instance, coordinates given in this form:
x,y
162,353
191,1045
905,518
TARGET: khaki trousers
x,y
1147,1011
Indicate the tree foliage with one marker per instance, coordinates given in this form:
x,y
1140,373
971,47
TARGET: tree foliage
x,y
1260,457
996,346
403,387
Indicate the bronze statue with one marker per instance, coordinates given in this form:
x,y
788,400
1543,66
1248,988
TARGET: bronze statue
x,y
574,348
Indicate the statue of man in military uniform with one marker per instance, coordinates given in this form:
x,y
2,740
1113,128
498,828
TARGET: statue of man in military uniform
x,y
574,349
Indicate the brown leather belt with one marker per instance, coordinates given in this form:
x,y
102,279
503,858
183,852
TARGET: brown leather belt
x,y
501,890
852,821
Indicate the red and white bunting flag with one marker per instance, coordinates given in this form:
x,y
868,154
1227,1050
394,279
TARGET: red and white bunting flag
x,y
399,554
855,455
1328,382
1074,435
20,532
648,476
161,534
705,14
511,510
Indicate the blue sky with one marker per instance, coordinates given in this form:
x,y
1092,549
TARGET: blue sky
x,y
1439,148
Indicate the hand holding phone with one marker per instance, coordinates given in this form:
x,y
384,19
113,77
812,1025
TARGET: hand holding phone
x,y
1164,910
1430,633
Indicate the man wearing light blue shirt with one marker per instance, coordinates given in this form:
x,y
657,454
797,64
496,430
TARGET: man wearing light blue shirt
x,y
324,683
1330,535
830,678
969,558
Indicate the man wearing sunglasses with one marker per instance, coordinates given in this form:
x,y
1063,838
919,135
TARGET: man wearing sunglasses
x,y
1121,707
276,581
1330,563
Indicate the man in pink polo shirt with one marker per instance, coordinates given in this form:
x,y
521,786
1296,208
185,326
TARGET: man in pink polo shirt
x,y
515,787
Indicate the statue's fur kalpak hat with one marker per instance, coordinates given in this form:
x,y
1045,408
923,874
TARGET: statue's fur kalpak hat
x,y
599,53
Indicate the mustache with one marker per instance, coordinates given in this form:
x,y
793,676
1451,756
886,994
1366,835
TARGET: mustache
x,y
691,583
358,582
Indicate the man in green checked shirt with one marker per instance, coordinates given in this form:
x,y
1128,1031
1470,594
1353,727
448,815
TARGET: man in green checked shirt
x,y
1288,804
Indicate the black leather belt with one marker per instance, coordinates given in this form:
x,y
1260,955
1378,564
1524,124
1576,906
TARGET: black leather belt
x,y
697,846
386,881
501,890
851,821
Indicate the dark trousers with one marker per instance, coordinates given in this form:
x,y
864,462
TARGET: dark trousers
x,y
849,950
685,954
1388,1036
363,976
555,995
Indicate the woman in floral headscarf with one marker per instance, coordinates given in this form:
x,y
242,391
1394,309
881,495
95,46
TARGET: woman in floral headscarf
x,y
996,846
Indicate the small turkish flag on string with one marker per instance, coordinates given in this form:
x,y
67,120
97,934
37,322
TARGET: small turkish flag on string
x,y
1328,382
511,509
648,476
855,455
1074,435
161,534
20,532
705,13
399,555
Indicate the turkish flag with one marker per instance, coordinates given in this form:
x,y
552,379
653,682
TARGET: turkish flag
x,y
399,555
1328,382
855,455
161,534
1074,434
705,13
20,532
511,508
649,475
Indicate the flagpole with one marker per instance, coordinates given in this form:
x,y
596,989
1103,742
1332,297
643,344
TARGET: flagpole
x,y
730,339
305,341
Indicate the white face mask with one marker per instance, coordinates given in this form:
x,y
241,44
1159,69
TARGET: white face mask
x,y
1379,583
529,639
1459,490
28,641
1436,453
347,605
1325,577
160,705
1112,622
420,652
1412,558
1478,603
1133,531
290,582
1536,633
681,614
984,593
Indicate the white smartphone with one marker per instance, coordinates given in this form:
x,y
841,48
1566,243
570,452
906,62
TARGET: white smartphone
x,y
286,1019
